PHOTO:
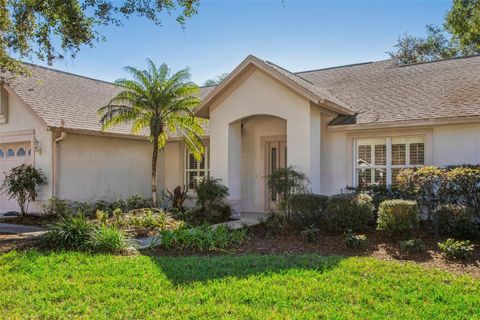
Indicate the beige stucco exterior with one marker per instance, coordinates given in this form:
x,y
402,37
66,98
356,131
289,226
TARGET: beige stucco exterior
x,y
260,95
94,168
22,125
89,167
253,109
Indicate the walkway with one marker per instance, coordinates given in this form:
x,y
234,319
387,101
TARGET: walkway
x,y
17,228
246,220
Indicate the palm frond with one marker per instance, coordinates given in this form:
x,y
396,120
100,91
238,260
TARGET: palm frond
x,y
156,100
112,115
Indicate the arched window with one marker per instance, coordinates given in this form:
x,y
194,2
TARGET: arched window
x,y
1,153
10,153
21,152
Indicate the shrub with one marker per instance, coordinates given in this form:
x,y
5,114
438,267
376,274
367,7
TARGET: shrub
x,y
71,232
57,208
203,238
103,205
177,198
105,238
78,233
286,182
273,225
137,202
398,217
349,211
83,208
118,204
118,214
380,193
458,221
412,246
425,185
147,218
22,183
212,200
453,249
102,216
306,209
462,186
355,241
310,234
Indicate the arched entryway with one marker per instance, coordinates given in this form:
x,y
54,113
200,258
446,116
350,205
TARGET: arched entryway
x,y
263,149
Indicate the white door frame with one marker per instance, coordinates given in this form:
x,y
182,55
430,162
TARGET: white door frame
x,y
268,143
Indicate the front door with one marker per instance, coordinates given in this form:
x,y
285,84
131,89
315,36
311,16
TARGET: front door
x,y
276,157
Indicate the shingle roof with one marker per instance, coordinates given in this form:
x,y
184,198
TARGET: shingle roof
x,y
379,92
58,96
305,83
382,92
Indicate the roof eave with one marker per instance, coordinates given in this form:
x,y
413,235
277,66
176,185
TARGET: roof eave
x,y
405,123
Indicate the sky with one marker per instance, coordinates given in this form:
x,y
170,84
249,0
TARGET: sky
x,y
297,35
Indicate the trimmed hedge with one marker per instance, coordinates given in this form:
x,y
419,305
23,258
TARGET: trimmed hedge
x,y
458,221
398,217
306,210
349,211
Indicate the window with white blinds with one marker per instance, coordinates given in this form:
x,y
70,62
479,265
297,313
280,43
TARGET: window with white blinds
x,y
379,161
195,169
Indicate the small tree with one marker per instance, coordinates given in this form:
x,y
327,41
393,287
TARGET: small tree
x,y
286,182
21,183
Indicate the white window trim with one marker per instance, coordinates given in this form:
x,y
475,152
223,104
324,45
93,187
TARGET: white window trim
x,y
388,166
186,170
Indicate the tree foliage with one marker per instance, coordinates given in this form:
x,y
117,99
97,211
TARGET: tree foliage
x,y
437,44
463,21
22,183
219,78
158,103
50,29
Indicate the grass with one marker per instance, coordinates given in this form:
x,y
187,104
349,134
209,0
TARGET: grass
x,y
80,285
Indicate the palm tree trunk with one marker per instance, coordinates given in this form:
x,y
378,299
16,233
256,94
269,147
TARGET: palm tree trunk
x,y
154,172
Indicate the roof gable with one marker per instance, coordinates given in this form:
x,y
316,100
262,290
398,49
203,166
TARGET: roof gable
x,y
300,86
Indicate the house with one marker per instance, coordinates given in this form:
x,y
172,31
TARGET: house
x,y
350,125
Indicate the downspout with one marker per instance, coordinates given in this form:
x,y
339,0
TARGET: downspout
x,y
56,156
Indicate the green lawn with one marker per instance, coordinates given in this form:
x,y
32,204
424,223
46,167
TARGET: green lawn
x,y
77,285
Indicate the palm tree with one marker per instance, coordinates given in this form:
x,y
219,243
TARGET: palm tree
x,y
159,104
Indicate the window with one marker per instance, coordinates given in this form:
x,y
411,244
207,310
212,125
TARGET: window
x,y
10,153
379,161
21,152
371,162
1,153
195,169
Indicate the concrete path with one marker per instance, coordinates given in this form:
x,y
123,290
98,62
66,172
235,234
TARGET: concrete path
x,y
18,228
246,220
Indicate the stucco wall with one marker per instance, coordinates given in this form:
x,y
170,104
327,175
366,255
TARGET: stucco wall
x,y
445,145
259,94
456,144
173,165
22,119
334,159
253,158
103,168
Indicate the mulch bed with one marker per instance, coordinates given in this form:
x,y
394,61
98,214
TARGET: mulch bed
x,y
10,242
379,247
